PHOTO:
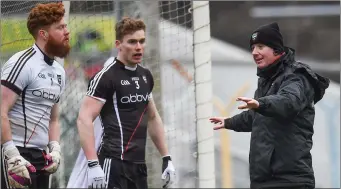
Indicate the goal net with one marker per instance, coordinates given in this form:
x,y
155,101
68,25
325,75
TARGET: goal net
x,y
171,57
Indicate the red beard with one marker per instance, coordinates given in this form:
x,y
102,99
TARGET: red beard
x,y
58,49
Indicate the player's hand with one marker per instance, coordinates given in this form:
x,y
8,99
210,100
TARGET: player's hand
x,y
250,103
18,168
219,121
53,158
96,177
168,172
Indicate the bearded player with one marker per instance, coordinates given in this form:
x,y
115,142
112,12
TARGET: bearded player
x,y
32,82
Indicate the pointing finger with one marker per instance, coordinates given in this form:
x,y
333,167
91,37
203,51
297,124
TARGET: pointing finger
x,y
242,107
218,127
245,99
215,121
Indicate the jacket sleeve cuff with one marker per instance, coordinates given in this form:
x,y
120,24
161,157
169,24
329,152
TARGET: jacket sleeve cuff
x,y
262,105
228,123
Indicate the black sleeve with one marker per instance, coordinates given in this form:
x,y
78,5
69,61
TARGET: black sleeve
x,y
295,93
241,122
101,86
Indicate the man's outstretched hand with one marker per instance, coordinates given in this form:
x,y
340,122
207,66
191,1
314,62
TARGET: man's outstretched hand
x,y
250,103
219,121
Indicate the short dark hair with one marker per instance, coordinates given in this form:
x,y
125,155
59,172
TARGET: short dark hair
x,y
128,26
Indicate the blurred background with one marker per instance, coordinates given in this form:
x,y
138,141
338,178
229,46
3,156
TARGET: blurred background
x,y
311,28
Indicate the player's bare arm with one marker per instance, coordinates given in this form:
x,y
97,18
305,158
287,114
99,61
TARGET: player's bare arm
x,y
8,98
157,133
155,129
89,110
21,170
54,156
54,128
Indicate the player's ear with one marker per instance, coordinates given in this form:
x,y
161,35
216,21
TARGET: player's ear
x,y
44,34
118,44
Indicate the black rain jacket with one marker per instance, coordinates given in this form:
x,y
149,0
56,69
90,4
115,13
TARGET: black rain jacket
x,y
282,127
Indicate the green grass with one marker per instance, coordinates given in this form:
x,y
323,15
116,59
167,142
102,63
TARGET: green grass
x,y
15,37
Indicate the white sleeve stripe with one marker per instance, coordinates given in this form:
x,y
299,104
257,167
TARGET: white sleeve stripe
x,y
97,78
97,98
91,90
94,82
13,75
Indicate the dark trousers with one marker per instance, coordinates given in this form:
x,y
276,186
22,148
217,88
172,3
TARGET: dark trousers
x,y
285,186
124,175
291,187
36,157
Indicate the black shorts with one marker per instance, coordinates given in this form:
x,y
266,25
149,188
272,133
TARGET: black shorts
x,y
123,174
40,179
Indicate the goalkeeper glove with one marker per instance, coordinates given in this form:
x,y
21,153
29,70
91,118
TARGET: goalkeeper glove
x,y
53,158
18,168
168,172
96,177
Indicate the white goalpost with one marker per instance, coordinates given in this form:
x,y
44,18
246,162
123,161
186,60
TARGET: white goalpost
x,y
203,93
178,53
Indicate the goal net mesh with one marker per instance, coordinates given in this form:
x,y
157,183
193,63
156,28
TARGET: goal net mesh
x,y
169,55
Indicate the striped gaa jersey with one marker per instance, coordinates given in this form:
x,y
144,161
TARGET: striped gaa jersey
x,y
39,82
125,92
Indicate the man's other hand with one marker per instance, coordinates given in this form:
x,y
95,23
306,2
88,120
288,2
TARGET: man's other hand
x,y
250,103
18,168
53,158
219,121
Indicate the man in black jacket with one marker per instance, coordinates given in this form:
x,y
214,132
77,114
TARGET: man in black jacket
x,y
281,115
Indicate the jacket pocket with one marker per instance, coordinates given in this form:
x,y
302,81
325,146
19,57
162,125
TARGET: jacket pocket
x,y
261,164
271,162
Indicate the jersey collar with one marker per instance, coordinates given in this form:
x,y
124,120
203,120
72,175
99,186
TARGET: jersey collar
x,y
47,59
124,66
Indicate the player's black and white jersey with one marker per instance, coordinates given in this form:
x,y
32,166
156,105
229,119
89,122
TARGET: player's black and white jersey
x,y
125,93
39,81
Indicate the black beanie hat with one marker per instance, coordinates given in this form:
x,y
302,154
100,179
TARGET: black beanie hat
x,y
268,35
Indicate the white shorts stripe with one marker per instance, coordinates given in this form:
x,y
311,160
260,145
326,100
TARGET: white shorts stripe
x,y
108,174
106,169
105,164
